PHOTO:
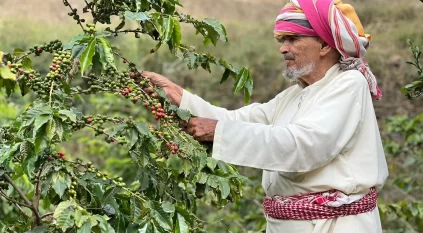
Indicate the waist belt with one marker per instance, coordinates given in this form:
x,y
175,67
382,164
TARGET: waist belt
x,y
323,205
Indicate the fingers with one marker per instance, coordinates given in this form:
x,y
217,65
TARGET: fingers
x,y
149,90
183,125
155,78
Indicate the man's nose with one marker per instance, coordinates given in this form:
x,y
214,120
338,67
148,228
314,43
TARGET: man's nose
x,y
284,47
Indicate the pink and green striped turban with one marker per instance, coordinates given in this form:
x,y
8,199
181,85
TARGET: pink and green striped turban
x,y
337,24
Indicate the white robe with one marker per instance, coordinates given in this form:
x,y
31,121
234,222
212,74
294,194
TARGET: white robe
x,y
312,139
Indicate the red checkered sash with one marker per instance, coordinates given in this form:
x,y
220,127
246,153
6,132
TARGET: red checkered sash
x,y
323,205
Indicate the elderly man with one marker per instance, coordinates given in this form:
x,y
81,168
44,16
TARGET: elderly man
x,y
317,142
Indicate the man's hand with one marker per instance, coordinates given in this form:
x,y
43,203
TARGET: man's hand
x,y
202,129
173,91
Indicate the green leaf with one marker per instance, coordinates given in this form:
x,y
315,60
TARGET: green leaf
x,y
59,129
168,25
121,25
104,226
211,163
5,73
161,217
181,225
108,52
86,228
218,28
69,114
168,207
224,188
225,76
18,52
51,129
135,209
62,207
23,87
118,129
40,141
59,183
39,229
143,129
175,163
28,165
40,121
202,179
10,152
27,63
241,79
87,56
183,114
74,41
147,228
191,60
98,191
65,219
176,35
80,219
98,63
139,16
78,50
133,137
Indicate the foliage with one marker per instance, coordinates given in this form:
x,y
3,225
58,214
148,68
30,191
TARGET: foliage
x,y
403,143
415,89
44,190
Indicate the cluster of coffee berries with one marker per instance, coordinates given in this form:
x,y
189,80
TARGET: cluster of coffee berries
x,y
16,68
119,182
173,147
158,111
91,28
74,15
39,85
61,64
59,155
50,47
6,134
77,125
71,191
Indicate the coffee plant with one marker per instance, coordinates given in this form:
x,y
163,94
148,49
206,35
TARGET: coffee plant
x,y
42,190
415,89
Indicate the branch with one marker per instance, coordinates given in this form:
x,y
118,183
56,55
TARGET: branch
x,y
23,212
51,92
13,200
18,204
79,20
47,215
18,190
37,195
27,202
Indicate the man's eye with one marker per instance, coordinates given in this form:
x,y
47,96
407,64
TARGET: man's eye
x,y
292,38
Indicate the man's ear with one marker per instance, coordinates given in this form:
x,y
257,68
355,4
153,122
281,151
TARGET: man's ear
x,y
324,49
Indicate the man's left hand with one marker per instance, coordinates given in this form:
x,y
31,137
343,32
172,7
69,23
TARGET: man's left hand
x,y
202,129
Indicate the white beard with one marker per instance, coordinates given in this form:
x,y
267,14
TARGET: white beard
x,y
295,74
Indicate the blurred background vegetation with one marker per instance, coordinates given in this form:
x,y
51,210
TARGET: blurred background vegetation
x,y
249,24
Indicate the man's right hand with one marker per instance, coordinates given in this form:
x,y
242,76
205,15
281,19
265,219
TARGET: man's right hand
x,y
173,91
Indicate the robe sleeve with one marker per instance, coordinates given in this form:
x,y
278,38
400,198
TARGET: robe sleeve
x,y
310,142
257,113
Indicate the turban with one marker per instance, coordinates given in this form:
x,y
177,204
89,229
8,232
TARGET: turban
x,y
335,23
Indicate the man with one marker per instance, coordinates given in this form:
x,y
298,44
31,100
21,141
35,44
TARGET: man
x,y
318,142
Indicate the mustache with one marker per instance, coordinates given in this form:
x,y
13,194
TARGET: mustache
x,y
288,56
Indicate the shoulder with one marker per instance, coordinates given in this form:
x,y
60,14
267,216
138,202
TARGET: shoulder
x,y
351,78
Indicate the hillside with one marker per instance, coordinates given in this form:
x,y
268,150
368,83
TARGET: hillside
x,y
390,27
